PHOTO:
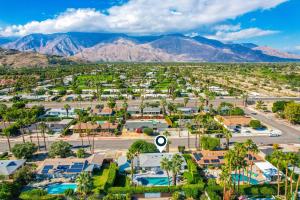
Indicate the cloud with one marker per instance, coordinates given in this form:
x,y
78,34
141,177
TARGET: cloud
x,y
227,27
144,17
297,47
240,34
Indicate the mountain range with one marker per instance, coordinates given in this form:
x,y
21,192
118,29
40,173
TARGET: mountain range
x,y
97,47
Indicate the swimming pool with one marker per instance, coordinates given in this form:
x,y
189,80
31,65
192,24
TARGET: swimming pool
x,y
243,178
59,188
159,181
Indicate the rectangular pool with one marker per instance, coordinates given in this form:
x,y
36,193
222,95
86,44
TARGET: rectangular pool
x,y
60,188
154,181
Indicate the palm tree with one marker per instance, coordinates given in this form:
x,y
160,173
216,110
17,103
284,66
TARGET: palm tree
x,y
166,165
225,177
227,134
294,161
179,124
287,159
251,147
142,106
276,158
125,107
163,104
67,108
43,127
130,156
190,129
21,124
6,132
84,183
230,161
185,101
93,140
297,184
245,99
176,166
167,134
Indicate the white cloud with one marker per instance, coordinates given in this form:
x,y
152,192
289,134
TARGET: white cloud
x,y
240,34
297,47
144,17
228,27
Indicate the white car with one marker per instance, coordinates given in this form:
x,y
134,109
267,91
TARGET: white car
x,y
275,133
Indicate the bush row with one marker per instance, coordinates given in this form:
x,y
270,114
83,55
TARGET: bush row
x,y
112,173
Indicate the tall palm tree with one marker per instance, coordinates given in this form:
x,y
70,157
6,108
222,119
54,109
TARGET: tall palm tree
x,y
43,128
176,166
167,134
21,124
125,107
84,183
227,134
294,161
67,108
166,165
6,132
251,147
179,124
240,153
163,104
142,106
225,179
230,162
34,120
297,184
276,158
185,101
130,156
287,159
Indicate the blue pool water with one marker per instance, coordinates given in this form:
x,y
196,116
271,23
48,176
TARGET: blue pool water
x,y
59,188
154,180
243,178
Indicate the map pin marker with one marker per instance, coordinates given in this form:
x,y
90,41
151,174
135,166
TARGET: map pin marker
x,y
160,141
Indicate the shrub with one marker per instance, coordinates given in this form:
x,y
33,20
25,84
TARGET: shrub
x,y
177,196
267,190
143,147
38,194
25,150
80,153
112,173
278,106
181,149
148,131
255,124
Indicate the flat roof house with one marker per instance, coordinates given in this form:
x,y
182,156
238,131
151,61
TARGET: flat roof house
x,y
133,110
155,124
148,161
61,112
102,129
9,167
151,111
231,122
188,110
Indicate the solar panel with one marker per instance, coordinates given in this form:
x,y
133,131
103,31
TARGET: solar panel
x,y
48,167
74,170
206,161
45,171
221,157
63,167
215,160
197,156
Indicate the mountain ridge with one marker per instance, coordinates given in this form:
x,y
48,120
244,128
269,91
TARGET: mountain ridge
x,y
98,47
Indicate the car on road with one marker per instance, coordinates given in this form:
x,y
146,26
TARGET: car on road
x,y
275,133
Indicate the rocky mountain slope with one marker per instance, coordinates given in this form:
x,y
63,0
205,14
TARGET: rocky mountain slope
x,y
120,47
15,58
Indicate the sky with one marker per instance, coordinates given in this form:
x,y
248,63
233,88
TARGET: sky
x,y
273,23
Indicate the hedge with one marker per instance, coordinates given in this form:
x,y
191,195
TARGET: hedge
x,y
189,190
111,176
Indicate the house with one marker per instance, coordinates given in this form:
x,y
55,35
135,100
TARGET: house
x,y
269,171
148,161
105,112
9,167
188,110
64,167
207,158
99,128
155,124
61,112
151,111
133,110
233,122
58,126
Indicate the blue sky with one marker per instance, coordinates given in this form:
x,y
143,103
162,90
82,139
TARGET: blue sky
x,y
273,23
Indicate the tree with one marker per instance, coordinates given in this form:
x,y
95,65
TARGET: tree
x,y
84,183
278,106
67,108
24,175
80,153
185,101
255,124
176,166
227,134
141,146
6,132
148,131
167,134
259,104
43,127
276,158
130,156
163,104
166,165
251,147
61,149
209,143
24,151
292,112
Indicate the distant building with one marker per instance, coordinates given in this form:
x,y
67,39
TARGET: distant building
x,y
188,110
102,129
9,167
155,124
232,122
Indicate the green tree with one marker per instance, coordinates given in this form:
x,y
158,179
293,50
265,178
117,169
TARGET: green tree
x,y
176,166
80,153
166,165
43,128
227,134
130,156
209,143
84,184
141,146
277,158
278,106
61,149
292,112
255,124
67,108
167,134
24,150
